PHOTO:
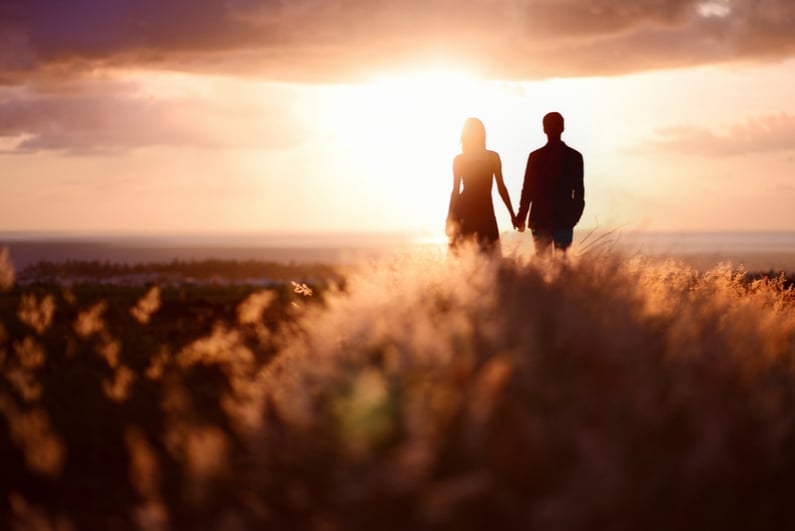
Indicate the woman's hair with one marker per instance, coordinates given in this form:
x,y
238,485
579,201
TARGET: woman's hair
x,y
473,135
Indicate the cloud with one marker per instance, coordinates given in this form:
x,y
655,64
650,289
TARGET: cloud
x,y
761,134
105,117
318,40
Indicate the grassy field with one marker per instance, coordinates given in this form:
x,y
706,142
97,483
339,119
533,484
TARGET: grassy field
x,y
419,393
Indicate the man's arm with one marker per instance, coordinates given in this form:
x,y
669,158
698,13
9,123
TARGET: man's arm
x,y
578,189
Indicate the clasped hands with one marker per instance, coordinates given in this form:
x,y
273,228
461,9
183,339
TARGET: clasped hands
x,y
518,225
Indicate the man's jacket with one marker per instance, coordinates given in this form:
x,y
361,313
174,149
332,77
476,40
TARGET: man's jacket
x,y
553,185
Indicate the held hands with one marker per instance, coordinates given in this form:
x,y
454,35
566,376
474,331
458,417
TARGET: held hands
x,y
518,225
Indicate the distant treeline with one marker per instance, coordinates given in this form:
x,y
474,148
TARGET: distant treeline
x,y
233,270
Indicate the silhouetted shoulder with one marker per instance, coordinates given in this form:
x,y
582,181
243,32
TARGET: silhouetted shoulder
x,y
568,150
538,151
494,158
571,151
458,162
491,158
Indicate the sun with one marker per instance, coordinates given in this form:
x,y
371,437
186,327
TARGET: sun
x,y
419,109
402,130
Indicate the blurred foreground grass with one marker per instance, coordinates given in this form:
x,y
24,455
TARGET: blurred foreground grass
x,y
609,393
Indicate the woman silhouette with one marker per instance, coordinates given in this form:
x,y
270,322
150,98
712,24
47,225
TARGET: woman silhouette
x,y
471,213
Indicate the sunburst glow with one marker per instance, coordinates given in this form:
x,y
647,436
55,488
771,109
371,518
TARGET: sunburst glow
x,y
401,132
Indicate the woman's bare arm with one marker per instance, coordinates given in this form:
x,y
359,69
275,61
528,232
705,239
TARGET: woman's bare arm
x,y
501,187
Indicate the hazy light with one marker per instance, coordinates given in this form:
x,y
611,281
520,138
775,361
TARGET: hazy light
x,y
12,143
400,133
714,9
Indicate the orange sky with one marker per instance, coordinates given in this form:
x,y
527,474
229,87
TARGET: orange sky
x,y
344,115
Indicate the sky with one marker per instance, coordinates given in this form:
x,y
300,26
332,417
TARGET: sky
x,y
315,116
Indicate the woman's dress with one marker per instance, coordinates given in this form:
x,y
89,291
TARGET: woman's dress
x,y
474,210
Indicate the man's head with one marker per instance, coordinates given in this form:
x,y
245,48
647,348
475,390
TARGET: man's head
x,y
553,125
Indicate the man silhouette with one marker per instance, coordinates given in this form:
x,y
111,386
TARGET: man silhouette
x,y
553,184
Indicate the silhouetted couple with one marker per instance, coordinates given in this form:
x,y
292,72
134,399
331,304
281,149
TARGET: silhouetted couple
x,y
553,191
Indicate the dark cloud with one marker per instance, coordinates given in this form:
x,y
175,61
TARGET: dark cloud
x,y
760,134
315,40
107,117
